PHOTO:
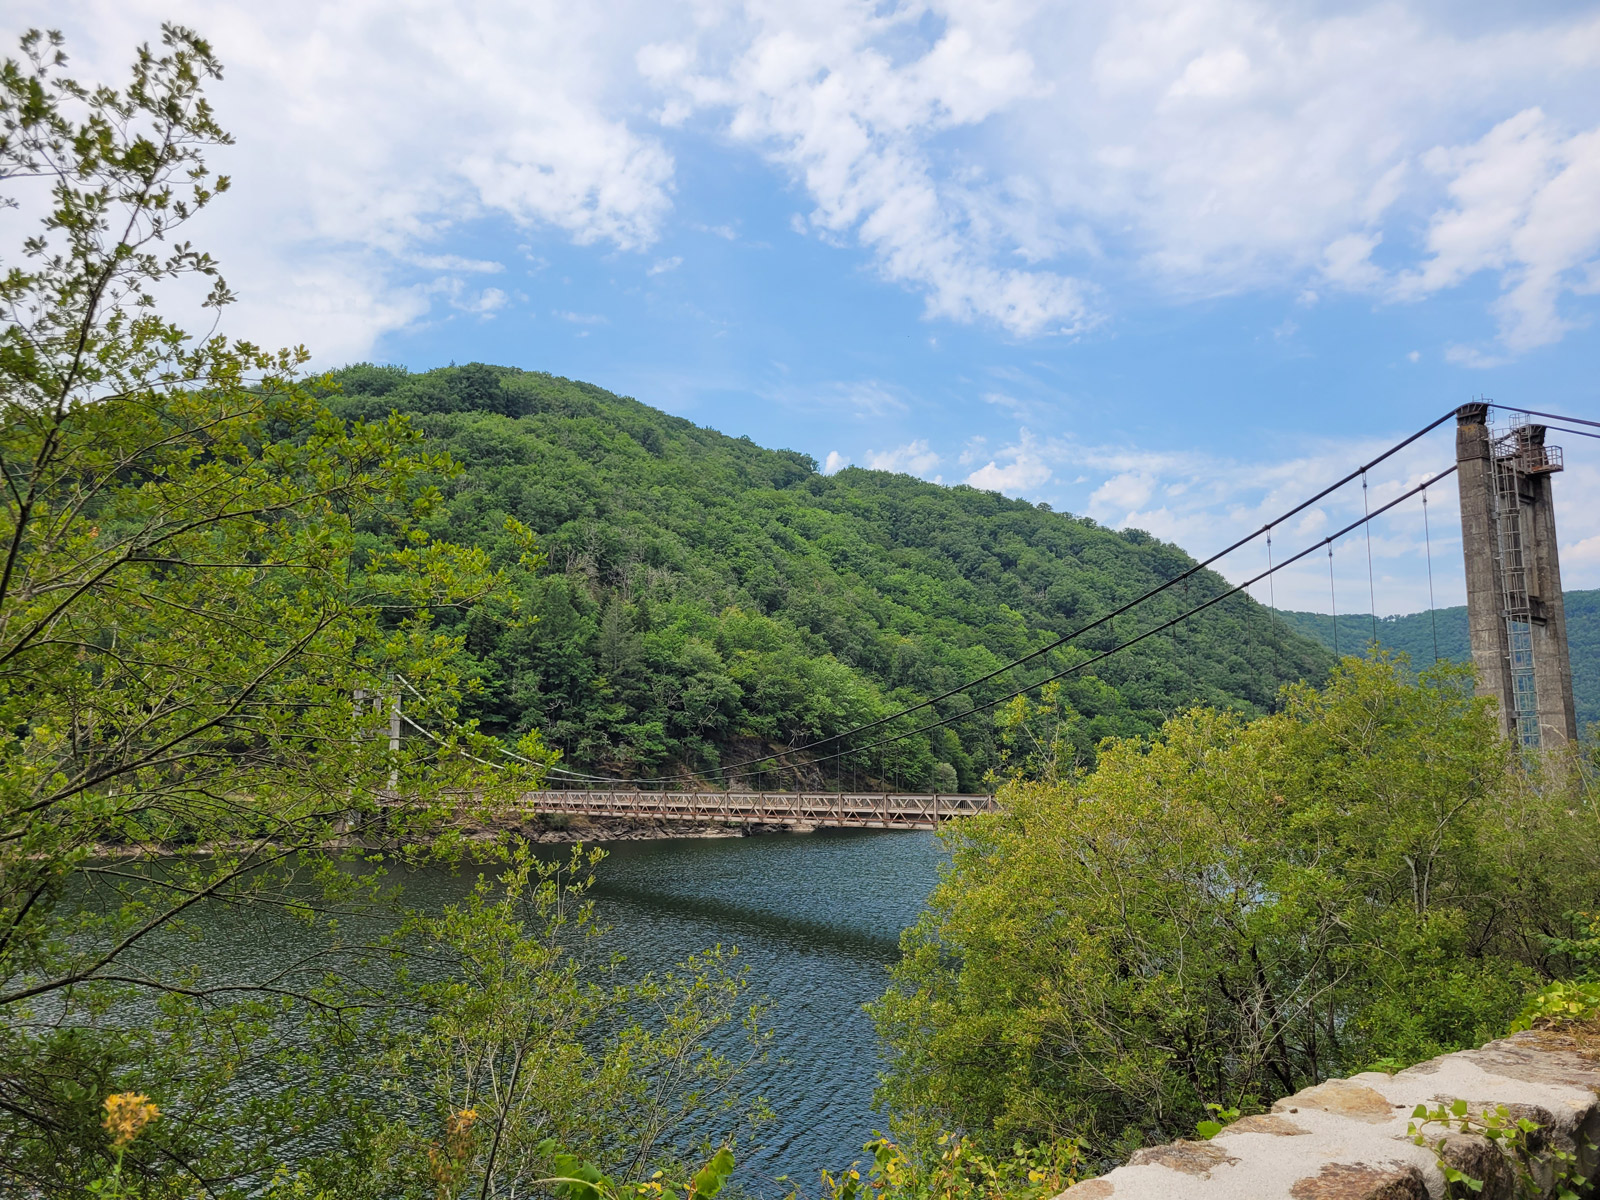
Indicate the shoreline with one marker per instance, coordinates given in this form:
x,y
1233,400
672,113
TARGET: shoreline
x,y
564,828
539,829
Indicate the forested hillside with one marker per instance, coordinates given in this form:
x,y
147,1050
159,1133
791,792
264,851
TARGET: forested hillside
x,y
1415,633
706,599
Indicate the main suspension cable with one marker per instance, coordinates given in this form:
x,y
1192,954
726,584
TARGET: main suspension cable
x,y
1576,432
753,767
1151,632
1133,641
1551,416
1183,577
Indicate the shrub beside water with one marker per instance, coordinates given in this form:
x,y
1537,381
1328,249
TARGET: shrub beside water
x,y
1232,910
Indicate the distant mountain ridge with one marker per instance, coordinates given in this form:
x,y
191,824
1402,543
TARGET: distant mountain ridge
x,y
708,600
1417,634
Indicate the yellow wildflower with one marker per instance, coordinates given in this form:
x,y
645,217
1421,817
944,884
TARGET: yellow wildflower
x,y
447,1164
127,1113
458,1133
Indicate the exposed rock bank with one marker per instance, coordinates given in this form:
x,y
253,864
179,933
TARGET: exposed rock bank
x,y
1347,1139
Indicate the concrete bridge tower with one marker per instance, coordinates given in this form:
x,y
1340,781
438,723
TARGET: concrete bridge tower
x,y
1515,616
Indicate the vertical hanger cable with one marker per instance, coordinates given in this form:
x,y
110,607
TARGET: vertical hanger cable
x,y
1372,591
1272,591
1427,541
1332,599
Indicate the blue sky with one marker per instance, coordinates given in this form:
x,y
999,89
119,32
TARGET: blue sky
x,y
1169,265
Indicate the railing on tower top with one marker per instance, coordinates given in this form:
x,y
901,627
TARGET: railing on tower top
x,y
1539,460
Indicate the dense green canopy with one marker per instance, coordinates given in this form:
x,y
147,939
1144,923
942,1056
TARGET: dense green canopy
x,y
1233,910
708,599
1417,635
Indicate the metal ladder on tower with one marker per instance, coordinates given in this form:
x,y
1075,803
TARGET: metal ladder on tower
x,y
1511,561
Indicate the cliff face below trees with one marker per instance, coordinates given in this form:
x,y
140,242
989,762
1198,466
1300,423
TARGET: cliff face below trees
x,y
706,598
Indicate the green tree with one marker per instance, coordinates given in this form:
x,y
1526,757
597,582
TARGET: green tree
x,y
517,1039
828,599
1037,737
211,591
1232,910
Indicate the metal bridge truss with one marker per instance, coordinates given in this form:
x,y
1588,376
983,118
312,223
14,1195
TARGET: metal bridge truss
x,y
865,810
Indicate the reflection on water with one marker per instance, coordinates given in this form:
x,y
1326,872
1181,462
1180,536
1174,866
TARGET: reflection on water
x,y
817,919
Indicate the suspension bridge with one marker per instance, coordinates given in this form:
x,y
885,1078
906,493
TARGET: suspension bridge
x,y
1517,633
860,810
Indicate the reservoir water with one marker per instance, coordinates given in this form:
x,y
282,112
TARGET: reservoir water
x,y
817,919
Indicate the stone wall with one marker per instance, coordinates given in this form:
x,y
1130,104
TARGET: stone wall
x,y
1347,1139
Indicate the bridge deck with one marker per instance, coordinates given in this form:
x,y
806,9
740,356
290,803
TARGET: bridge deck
x,y
870,810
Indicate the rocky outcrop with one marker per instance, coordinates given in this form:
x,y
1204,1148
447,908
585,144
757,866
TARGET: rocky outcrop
x,y
1348,1139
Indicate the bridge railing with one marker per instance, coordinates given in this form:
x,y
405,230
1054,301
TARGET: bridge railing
x,y
863,809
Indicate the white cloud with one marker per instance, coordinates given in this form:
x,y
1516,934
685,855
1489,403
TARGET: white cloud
x,y
1524,203
580,318
914,458
1122,494
1584,555
1348,260
1018,469
662,265
1313,522
1258,141
860,400
834,463
995,154
1016,163
368,131
868,397
486,303
343,300
1471,356
454,262
1577,498
829,92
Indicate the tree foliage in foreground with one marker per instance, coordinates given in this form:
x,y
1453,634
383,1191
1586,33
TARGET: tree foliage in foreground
x,y
1234,909
210,591
191,612
514,1050
1444,630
